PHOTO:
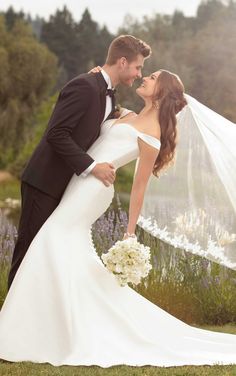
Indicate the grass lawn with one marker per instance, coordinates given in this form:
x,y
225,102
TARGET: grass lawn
x,y
9,187
30,369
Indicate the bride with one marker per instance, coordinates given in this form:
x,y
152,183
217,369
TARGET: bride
x,y
64,307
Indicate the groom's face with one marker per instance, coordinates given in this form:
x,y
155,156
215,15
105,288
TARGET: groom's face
x,y
130,71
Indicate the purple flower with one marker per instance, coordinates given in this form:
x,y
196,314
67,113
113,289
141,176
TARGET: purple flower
x,y
8,235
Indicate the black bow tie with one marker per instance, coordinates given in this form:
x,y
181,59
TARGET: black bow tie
x,y
111,92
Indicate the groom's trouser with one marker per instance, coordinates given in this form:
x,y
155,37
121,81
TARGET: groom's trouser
x,y
36,208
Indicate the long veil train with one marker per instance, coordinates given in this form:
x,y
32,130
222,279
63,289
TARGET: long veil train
x,y
193,205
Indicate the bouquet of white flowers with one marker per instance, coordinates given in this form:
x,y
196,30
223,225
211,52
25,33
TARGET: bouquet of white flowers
x,y
128,260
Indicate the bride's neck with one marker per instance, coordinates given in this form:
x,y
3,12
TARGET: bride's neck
x,y
148,110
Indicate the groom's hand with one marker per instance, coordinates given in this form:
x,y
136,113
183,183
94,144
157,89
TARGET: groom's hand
x,y
104,172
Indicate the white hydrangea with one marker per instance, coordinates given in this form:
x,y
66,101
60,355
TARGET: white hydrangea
x,y
128,260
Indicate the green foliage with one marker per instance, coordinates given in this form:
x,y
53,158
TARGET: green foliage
x,y
4,271
199,49
59,35
11,17
208,11
124,178
27,72
39,123
79,46
10,188
93,42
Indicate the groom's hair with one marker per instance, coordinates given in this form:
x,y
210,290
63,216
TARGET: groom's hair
x,y
127,46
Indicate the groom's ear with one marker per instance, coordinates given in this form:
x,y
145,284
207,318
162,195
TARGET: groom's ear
x,y
122,62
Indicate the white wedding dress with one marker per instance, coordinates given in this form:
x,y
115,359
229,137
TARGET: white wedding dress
x,y
65,308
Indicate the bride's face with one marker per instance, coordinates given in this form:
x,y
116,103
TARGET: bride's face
x,y
148,87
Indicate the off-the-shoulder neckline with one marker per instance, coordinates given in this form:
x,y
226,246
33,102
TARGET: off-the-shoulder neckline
x,y
131,126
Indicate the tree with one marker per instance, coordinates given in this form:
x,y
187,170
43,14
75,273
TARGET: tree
x,y
36,25
11,16
79,46
200,50
59,34
105,38
87,32
27,72
208,11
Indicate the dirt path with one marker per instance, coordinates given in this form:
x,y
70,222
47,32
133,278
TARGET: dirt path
x,y
4,176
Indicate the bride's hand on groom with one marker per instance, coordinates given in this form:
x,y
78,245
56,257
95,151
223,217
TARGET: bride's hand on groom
x,y
105,172
95,69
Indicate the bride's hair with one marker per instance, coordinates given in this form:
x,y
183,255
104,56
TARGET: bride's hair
x,y
170,100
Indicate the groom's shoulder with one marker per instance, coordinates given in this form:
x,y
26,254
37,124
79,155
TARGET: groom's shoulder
x,y
83,79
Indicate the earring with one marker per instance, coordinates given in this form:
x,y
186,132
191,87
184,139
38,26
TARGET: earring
x,y
156,105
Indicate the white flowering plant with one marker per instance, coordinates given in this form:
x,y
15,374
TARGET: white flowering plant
x,y
128,260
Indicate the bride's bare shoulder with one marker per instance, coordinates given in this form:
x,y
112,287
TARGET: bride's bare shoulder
x,y
130,115
150,127
125,115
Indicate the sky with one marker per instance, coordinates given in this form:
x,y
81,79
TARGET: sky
x,y
108,12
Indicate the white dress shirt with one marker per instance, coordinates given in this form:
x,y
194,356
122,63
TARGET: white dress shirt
x,y
107,112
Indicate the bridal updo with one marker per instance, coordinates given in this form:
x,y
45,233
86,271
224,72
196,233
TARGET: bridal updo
x,y
169,99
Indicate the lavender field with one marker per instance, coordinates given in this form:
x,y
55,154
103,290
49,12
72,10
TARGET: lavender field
x,y
189,287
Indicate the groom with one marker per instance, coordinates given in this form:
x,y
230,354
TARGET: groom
x,y
82,106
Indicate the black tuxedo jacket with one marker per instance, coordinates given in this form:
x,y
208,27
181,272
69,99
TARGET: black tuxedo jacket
x,y
73,127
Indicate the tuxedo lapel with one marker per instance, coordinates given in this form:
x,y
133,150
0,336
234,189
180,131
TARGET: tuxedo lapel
x,y
103,105
102,85
113,102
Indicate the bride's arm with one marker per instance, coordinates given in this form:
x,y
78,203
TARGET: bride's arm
x,y
147,158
